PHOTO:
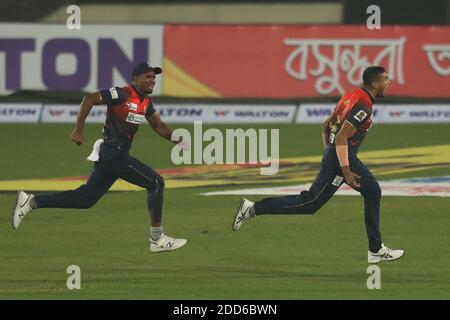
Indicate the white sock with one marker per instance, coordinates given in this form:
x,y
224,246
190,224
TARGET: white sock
x,y
155,232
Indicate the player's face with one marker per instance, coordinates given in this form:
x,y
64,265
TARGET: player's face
x,y
382,84
145,82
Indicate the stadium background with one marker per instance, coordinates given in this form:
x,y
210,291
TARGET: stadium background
x,y
272,64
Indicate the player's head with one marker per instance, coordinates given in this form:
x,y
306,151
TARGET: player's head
x,y
376,79
144,77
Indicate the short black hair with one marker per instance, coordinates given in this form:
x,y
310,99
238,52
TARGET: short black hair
x,y
371,73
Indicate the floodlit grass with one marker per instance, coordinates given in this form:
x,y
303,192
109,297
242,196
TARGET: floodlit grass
x,y
323,256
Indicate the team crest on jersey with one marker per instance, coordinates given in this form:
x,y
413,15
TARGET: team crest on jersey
x,y
360,116
135,118
132,106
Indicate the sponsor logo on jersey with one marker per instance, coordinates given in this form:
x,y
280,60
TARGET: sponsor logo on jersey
x,y
132,106
135,118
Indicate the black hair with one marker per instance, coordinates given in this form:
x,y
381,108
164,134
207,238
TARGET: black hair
x,y
371,73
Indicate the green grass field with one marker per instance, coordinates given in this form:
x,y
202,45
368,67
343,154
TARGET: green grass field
x,y
323,256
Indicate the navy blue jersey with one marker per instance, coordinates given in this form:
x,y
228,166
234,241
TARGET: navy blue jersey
x,y
127,109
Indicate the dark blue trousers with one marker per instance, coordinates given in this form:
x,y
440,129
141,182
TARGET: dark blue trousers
x,y
113,164
323,188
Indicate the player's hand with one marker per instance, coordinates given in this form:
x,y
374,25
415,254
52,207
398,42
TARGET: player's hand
x,y
351,178
76,137
184,144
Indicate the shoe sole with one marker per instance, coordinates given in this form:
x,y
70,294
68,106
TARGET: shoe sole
x,y
387,260
14,211
236,215
164,250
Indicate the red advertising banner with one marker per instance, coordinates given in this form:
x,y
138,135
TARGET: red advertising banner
x,y
303,61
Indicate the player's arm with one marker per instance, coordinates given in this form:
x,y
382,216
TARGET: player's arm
x,y
154,119
357,116
86,105
113,96
346,132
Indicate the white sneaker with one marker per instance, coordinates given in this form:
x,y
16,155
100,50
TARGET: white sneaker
x,y
166,243
21,209
384,254
243,214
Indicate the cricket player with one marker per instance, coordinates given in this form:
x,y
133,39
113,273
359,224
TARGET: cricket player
x,y
342,134
127,108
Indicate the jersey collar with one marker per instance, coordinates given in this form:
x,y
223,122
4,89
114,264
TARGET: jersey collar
x,y
369,93
141,96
